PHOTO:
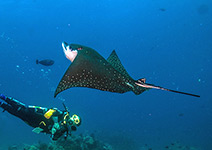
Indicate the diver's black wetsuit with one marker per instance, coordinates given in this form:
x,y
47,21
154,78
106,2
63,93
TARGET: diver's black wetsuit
x,y
35,117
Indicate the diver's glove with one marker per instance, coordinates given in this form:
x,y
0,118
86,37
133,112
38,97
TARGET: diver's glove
x,y
2,97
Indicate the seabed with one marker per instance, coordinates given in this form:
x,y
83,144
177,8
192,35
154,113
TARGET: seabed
x,y
89,142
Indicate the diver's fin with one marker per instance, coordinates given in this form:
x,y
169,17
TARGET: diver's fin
x,y
150,86
1,103
37,130
114,60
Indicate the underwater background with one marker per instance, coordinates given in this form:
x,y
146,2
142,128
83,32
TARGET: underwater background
x,y
167,42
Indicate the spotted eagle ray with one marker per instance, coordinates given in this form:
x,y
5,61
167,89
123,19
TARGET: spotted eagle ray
x,y
89,69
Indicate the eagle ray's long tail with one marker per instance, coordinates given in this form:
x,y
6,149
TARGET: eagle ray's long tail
x,y
150,86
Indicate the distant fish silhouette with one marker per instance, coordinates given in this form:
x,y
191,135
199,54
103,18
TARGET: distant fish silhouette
x,y
167,147
90,69
45,62
203,9
162,9
181,114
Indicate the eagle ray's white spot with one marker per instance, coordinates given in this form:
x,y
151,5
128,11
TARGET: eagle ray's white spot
x,y
130,85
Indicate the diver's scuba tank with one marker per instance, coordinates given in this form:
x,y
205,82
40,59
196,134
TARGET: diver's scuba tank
x,y
60,132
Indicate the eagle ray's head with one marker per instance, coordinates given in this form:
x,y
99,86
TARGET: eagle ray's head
x,y
69,51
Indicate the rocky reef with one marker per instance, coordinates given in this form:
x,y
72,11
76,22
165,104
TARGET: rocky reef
x,y
74,142
178,146
171,146
90,142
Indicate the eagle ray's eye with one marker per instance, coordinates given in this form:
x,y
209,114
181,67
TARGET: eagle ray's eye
x,y
79,48
69,47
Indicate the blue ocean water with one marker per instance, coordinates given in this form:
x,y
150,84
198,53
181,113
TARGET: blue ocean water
x,y
167,42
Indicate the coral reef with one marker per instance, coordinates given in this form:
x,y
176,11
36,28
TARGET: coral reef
x,y
178,146
80,142
172,146
89,142
14,147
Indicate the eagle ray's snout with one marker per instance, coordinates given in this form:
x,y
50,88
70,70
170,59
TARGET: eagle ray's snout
x,y
64,44
69,52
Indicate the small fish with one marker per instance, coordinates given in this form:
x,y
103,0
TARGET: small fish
x,y
181,114
45,62
89,69
203,9
162,9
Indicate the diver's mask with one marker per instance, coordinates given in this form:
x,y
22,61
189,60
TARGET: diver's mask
x,y
76,120
73,120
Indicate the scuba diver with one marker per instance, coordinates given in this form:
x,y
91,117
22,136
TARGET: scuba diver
x,y
47,120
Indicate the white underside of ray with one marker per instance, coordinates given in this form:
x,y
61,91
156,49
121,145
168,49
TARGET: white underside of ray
x,y
69,53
